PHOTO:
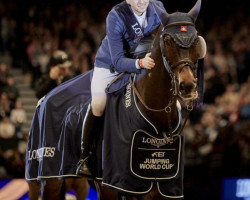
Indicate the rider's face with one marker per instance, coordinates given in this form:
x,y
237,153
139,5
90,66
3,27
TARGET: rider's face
x,y
138,6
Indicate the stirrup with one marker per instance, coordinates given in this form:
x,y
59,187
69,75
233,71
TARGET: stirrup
x,y
83,168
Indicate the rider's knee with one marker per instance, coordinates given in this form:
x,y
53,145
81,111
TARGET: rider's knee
x,y
98,106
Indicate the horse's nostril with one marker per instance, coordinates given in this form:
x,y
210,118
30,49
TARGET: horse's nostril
x,y
187,88
182,86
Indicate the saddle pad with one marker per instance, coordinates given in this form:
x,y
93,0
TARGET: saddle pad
x,y
153,158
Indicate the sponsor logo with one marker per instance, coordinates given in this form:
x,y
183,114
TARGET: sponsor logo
x,y
138,32
39,154
154,141
242,188
128,96
158,154
152,163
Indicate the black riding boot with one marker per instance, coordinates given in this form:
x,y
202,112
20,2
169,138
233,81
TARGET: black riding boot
x,y
84,167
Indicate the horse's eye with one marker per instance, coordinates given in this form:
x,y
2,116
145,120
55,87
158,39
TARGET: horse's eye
x,y
167,40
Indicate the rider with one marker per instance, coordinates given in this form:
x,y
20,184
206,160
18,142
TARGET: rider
x,y
127,23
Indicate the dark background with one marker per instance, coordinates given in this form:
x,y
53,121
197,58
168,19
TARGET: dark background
x,y
203,181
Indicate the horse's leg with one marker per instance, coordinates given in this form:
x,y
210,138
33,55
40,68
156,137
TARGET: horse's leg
x,y
52,190
105,193
79,185
152,195
34,190
124,197
146,197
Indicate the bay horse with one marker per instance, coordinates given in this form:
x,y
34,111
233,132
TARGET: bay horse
x,y
176,50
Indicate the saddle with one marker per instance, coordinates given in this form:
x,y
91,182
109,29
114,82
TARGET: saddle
x,y
140,49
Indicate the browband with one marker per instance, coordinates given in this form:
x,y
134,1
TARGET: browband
x,y
178,23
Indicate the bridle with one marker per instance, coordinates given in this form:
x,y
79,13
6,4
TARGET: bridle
x,y
174,83
183,63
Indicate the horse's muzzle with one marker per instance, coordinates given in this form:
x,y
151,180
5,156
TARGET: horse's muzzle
x,y
188,91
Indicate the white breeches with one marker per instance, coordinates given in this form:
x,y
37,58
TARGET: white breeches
x,y
101,78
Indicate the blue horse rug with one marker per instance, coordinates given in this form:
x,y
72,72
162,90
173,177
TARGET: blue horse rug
x,y
131,153
53,147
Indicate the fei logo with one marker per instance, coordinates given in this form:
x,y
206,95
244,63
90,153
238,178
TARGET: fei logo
x,y
158,154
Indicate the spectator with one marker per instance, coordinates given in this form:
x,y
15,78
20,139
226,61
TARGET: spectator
x,y
11,90
84,64
5,107
18,116
244,101
213,84
58,73
3,166
7,128
15,163
3,74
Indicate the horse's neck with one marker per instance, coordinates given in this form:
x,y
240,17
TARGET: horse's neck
x,y
154,87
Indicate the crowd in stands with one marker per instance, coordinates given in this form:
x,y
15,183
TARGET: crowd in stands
x,y
217,134
12,117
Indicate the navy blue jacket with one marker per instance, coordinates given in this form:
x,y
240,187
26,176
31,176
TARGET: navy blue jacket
x,y
117,41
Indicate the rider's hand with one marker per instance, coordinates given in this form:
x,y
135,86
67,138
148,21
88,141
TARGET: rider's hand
x,y
148,62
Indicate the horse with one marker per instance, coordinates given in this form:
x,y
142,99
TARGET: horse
x,y
176,52
158,95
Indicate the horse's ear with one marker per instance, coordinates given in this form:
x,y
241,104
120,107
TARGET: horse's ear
x,y
202,47
195,10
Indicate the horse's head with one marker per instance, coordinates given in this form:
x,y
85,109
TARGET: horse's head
x,y
176,49
181,48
